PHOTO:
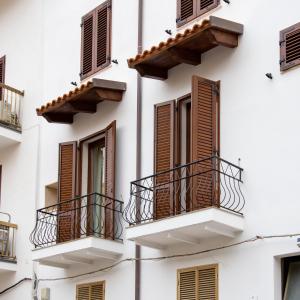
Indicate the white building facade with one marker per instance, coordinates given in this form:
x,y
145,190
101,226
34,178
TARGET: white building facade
x,y
148,150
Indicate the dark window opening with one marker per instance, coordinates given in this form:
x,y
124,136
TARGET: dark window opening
x,y
291,278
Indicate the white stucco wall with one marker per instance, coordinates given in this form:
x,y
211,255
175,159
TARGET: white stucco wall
x,y
259,125
21,42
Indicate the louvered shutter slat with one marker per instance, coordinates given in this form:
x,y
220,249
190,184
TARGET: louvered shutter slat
x,y
290,47
198,283
205,141
83,293
187,285
203,6
207,284
87,45
66,190
164,157
103,15
102,37
2,74
97,292
92,291
110,147
186,11
293,46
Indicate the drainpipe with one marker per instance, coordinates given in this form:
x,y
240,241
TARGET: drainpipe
x,y
139,144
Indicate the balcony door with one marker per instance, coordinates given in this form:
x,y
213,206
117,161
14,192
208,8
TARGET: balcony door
x,y
97,183
96,186
186,138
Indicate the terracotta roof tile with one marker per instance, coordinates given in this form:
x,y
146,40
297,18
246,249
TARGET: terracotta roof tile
x,y
65,98
169,42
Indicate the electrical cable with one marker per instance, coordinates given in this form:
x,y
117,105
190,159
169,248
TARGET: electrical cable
x,y
159,258
250,240
15,285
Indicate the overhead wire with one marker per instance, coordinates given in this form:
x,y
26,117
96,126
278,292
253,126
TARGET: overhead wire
x,y
159,258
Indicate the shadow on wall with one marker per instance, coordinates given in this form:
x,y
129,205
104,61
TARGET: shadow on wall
x,y
8,4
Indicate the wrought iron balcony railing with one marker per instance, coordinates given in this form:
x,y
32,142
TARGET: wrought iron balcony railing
x,y
210,182
10,107
90,215
8,240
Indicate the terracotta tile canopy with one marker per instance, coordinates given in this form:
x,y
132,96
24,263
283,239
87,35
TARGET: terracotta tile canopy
x,y
83,99
186,47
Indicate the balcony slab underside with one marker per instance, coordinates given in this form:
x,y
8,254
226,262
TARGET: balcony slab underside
x,y
7,266
189,228
9,137
85,251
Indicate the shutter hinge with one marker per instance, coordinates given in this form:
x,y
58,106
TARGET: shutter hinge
x,y
81,24
216,91
178,20
281,43
281,61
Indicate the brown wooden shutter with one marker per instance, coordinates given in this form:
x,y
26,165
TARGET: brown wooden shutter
x,y
187,285
87,45
92,291
205,140
290,47
97,291
66,190
96,40
203,6
207,287
2,73
186,11
110,159
198,283
103,29
164,158
0,182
